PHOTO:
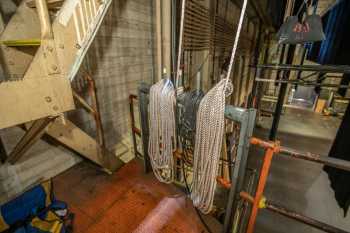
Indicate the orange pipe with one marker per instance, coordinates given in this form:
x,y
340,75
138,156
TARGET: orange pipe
x,y
224,183
260,189
264,144
246,197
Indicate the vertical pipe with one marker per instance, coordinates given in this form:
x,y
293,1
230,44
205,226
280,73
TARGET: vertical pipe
x,y
173,39
257,88
301,63
253,96
95,106
152,43
281,61
235,174
278,111
216,3
143,94
281,96
159,39
132,119
292,7
260,189
255,62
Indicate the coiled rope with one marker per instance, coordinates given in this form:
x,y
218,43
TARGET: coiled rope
x,y
209,135
162,140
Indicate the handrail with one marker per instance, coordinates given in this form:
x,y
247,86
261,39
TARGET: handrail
x,y
44,17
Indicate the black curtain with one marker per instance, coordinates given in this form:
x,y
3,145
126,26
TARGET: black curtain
x,y
335,48
276,9
340,179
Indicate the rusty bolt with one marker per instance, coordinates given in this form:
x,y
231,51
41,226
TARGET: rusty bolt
x,y
48,99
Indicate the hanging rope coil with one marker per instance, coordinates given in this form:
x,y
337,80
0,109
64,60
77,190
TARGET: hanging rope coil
x,y
208,143
209,134
162,140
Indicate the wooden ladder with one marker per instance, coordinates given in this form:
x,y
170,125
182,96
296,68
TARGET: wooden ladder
x,y
39,60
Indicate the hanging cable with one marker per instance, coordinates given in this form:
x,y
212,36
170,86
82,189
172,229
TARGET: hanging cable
x,y
189,192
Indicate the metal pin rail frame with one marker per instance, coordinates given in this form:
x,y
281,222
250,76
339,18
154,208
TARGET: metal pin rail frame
x,y
258,201
286,68
246,119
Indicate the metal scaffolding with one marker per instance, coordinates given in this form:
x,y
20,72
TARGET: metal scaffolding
x,y
284,81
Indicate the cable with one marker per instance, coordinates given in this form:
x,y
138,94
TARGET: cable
x,y
189,193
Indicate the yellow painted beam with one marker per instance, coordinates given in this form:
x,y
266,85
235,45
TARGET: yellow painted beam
x,y
20,43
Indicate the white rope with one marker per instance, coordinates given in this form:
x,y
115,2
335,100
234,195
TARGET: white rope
x,y
179,55
235,45
209,135
162,140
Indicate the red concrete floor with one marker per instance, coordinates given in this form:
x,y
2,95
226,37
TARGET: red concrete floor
x,y
127,201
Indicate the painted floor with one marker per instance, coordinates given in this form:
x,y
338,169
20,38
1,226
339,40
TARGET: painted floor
x,y
128,201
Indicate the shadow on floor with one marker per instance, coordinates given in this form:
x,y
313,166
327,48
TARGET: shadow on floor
x,y
300,185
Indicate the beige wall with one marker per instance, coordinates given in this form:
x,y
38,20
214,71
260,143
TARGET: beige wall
x,y
120,57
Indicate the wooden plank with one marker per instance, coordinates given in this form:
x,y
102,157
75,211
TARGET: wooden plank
x,y
32,99
20,43
83,103
24,24
50,3
76,139
320,105
34,133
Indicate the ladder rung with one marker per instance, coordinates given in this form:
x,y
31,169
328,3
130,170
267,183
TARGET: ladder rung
x,y
20,43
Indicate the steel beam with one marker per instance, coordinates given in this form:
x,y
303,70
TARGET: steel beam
x,y
340,69
246,118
